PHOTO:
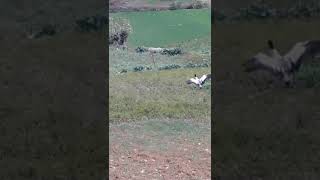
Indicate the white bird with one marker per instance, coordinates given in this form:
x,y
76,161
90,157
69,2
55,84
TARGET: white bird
x,y
155,50
199,82
285,66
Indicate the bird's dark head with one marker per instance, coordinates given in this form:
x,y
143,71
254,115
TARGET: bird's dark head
x,y
270,44
195,75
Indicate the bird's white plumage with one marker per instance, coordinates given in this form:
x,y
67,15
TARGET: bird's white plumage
x,y
199,82
203,78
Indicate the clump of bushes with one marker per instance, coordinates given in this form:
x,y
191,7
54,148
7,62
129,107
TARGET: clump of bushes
x,y
141,68
119,30
172,51
168,67
141,49
191,65
165,67
93,23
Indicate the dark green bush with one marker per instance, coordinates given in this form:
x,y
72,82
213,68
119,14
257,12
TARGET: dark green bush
x,y
140,49
119,30
138,68
191,65
168,67
172,52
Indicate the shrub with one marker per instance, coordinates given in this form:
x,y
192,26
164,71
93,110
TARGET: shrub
x,y
141,68
140,49
168,67
138,68
172,52
119,30
191,65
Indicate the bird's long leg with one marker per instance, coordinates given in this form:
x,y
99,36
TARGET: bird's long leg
x,y
154,63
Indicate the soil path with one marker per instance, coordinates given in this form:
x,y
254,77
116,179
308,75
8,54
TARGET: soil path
x,y
160,149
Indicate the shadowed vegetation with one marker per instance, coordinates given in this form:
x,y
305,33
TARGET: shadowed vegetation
x,y
263,131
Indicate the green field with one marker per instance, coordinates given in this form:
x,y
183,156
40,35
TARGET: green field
x,y
158,94
159,28
154,93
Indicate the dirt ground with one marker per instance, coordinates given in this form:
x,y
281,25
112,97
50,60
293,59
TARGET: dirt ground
x,y
160,150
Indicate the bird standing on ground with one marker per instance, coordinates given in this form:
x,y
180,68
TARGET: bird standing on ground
x,y
285,66
199,82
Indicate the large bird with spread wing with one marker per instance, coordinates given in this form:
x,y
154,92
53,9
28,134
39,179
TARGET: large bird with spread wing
x,y
199,81
285,66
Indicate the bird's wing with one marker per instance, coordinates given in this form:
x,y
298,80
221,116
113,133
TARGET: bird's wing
x,y
205,77
264,62
192,80
301,50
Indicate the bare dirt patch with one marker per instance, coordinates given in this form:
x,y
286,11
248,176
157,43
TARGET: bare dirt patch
x,y
160,150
